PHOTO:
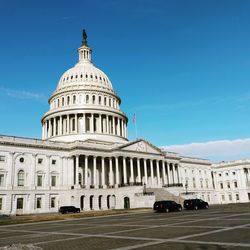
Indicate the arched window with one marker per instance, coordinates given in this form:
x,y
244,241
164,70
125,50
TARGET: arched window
x,y
20,178
68,100
58,103
109,102
93,99
105,101
87,99
100,100
63,101
74,99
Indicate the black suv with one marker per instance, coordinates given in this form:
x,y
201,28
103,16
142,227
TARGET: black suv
x,y
167,206
69,209
195,204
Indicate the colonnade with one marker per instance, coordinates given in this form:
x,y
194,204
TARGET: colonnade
x,y
107,172
85,123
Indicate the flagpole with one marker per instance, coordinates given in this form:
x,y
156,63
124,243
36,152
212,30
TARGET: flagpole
x,y
134,121
136,136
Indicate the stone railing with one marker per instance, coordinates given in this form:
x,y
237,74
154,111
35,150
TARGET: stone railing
x,y
144,194
173,185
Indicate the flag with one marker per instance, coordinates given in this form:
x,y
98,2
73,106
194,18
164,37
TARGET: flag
x,y
134,119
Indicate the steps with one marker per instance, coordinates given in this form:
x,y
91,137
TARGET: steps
x,y
164,194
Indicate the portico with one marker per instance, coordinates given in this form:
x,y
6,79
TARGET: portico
x,y
108,170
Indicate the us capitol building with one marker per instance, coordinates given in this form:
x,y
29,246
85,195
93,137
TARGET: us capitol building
x,y
85,159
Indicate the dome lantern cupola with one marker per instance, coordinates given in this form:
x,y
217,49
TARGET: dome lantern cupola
x,y
84,51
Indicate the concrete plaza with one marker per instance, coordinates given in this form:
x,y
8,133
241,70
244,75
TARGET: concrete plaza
x,y
215,228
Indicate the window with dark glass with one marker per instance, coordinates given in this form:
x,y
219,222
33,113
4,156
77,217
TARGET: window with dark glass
x,y
19,203
53,202
1,180
53,180
39,202
20,178
39,180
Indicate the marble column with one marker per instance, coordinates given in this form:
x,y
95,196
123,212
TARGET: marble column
x,y
76,170
92,123
84,123
163,172
152,173
86,171
60,126
158,173
111,174
117,174
107,124
103,173
118,126
145,171
169,174
76,124
138,170
132,170
94,171
68,131
124,171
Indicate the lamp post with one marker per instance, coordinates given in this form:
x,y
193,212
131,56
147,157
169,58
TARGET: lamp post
x,y
186,186
144,188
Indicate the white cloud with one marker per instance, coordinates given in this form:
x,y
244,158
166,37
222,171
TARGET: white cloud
x,y
21,94
223,150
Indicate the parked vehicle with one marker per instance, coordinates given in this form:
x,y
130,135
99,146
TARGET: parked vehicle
x,y
69,209
195,204
167,206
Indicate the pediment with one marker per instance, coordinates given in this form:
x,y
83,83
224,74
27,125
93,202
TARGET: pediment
x,y
141,146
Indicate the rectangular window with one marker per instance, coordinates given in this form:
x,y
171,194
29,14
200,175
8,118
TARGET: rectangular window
x,y
221,185
2,158
228,185
223,197
206,183
40,161
53,202
1,180
235,184
230,197
53,181
53,162
1,204
19,203
237,197
39,180
39,202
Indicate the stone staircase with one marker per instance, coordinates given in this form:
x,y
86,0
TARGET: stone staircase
x,y
164,194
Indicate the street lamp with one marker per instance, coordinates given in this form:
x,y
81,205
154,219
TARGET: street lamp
x,y
186,186
144,188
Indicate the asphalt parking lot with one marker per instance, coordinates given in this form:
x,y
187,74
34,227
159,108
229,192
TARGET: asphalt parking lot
x,y
203,229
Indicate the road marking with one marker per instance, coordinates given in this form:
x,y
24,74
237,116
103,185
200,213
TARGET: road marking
x,y
211,232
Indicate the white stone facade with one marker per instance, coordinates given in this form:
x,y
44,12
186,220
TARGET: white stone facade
x,y
232,181
84,158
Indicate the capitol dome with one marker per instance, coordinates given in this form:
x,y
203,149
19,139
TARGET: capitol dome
x,y
84,105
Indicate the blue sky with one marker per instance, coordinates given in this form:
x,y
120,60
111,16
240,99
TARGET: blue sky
x,y
182,66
